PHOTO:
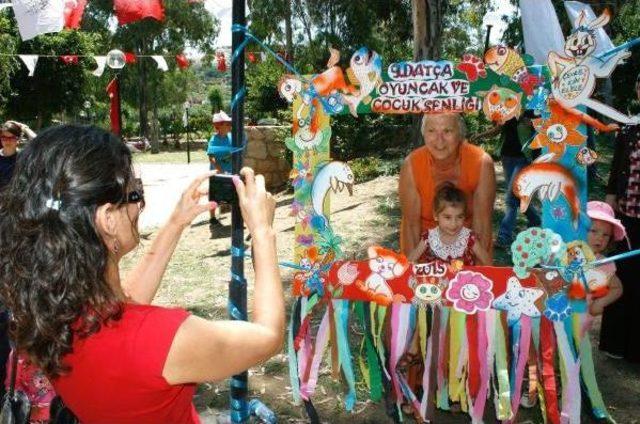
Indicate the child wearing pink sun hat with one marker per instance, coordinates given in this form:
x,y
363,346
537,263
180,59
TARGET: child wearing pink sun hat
x,y
604,285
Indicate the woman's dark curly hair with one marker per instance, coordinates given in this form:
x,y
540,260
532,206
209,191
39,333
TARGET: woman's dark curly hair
x,y
52,258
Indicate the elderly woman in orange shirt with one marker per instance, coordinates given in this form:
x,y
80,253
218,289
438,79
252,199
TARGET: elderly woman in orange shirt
x,y
445,156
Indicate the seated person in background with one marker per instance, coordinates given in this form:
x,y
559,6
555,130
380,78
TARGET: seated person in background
x,y
67,219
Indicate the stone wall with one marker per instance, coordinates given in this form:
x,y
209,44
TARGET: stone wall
x,y
266,154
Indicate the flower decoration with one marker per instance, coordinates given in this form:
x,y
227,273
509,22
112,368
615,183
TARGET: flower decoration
x,y
328,241
558,307
301,174
559,213
470,292
304,239
558,131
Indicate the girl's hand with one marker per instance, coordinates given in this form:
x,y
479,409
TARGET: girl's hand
x,y
189,205
596,308
256,203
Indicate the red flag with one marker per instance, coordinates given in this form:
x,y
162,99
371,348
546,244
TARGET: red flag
x,y
113,90
69,59
252,57
130,58
129,11
73,11
182,61
222,62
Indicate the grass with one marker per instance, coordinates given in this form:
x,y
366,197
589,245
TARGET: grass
x,y
169,154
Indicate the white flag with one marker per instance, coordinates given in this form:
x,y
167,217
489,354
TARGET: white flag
x,y
30,61
37,17
603,42
538,42
101,61
162,63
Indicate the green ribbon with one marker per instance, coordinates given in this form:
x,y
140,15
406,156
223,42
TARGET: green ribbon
x,y
372,373
503,411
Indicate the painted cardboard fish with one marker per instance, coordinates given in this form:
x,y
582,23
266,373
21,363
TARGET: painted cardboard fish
x,y
548,180
506,61
365,70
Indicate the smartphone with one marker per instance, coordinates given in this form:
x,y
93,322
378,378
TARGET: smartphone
x,y
222,189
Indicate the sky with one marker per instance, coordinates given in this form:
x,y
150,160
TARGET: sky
x,y
502,7
222,9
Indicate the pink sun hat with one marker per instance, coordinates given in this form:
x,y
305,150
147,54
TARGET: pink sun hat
x,y
603,212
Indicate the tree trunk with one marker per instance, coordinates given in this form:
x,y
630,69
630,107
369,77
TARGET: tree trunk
x,y
142,105
426,16
305,20
288,29
155,132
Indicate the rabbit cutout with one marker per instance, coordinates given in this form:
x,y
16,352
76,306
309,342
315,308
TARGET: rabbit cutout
x,y
575,70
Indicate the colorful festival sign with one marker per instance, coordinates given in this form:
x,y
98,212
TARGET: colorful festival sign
x,y
480,330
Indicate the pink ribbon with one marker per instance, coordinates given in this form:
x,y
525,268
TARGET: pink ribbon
x,y
399,335
523,357
308,388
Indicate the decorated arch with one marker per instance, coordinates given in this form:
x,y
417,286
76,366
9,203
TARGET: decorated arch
x,y
482,330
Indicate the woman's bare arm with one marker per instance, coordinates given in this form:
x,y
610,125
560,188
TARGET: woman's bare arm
x,y
142,282
205,350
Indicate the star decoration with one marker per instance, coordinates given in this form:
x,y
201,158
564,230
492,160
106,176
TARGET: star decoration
x,y
558,131
518,300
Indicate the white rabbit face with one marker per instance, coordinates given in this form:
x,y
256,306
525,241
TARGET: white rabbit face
x,y
580,44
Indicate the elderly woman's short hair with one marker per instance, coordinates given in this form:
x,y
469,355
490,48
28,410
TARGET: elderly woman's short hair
x,y
462,126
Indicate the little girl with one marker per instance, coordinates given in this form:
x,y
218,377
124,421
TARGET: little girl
x,y
604,286
450,240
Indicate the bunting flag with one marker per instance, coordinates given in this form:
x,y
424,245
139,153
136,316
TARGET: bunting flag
x,y
162,63
30,61
38,17
128,11
73,11
113,90
130,58
69,59
101,62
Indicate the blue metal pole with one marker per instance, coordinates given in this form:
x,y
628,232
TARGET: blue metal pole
x,y
237,285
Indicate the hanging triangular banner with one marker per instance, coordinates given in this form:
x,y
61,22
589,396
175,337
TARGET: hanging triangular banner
x,y
101,61
38,17
162,63
30,61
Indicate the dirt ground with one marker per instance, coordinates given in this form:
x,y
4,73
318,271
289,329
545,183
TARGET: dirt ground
x,y
198,276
